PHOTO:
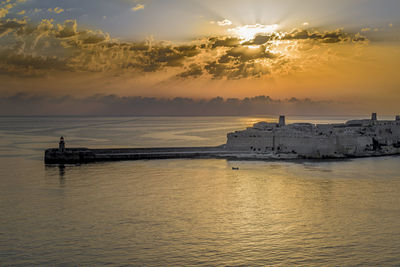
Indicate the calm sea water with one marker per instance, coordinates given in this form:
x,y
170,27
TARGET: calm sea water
x,y
188,212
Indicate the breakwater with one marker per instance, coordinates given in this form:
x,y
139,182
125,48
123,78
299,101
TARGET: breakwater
x,y
86,155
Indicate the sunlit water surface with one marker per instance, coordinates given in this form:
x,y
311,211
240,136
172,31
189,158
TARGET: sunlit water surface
x,y
188,212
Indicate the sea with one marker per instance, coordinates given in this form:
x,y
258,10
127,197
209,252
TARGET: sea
x,y
188,212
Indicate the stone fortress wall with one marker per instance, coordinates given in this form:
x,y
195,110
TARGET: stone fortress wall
x,y
355,138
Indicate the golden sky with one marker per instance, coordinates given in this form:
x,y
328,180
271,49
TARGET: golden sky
x,y
347,51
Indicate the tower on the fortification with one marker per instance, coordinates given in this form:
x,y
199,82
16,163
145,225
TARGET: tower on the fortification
x,y
282,121
61,145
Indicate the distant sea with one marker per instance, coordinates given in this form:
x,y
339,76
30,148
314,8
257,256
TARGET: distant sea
x,y
188,212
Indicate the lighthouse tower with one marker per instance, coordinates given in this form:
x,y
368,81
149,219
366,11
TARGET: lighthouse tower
x,y
61,145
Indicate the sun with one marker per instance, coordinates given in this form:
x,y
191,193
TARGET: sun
x,y
248,32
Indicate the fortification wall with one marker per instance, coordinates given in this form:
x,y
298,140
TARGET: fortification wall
x,y
306,146
256,141
353,145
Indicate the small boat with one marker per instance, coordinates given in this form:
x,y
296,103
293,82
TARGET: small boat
x,y
235,168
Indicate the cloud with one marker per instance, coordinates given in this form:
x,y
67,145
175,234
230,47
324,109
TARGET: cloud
x,y
4,10
9,26
327,37
240,62
225,22
69,29
224,42
261,39
138,7
6,5
56,10
48,48
359,38
112,105
335,36
192,70
29,65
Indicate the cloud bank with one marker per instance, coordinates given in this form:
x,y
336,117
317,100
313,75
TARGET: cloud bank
x,y
112,105
28,50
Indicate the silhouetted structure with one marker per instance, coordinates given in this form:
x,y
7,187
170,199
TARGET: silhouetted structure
x,y
61,144
282,121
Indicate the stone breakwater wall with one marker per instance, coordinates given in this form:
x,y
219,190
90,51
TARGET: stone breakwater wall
x,y
85,155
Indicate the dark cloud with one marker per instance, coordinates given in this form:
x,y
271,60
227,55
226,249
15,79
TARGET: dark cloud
x,y
224,42
11,25
335,36
69,29
240,62
188,50
261,39
359,38
193,70
28,65
245,53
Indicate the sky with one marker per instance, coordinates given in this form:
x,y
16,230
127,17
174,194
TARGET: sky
x,y
343,52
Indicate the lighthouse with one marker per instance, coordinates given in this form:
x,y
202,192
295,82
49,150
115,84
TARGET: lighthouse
x,y
61,145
